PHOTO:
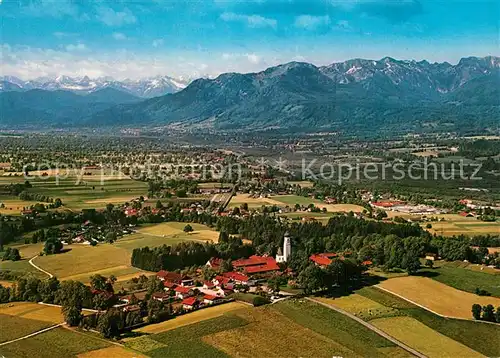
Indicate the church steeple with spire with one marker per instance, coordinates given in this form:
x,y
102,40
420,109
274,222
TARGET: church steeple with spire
x,y
284,256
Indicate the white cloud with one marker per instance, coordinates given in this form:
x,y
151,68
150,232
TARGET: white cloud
x,y
254,21
76,47
52,8
253,58
111,17
119,36
309,22
61,35
157,42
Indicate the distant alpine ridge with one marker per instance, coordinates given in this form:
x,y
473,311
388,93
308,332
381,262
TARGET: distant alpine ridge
x,y
356,96
144,88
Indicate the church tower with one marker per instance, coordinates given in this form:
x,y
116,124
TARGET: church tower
x,y
285,255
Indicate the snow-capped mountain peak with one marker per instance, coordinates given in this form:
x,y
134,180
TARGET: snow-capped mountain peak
x,y
146,88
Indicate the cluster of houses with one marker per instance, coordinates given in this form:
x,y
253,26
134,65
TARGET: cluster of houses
x,y
245,276
403,207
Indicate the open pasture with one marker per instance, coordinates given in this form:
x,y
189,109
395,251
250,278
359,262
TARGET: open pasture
x,y
175,231
437,296
422,338
360,306
21,267
79,262
81,259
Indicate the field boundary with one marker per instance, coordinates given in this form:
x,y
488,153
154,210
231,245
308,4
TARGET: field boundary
x,y
371,327
33,334
431,311
54,305
38,268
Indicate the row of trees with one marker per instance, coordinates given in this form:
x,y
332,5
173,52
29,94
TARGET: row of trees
x,y
186,254
486,313
339,273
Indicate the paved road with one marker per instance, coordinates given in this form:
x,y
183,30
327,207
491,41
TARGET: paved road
x,y
32,334
38,268
371,327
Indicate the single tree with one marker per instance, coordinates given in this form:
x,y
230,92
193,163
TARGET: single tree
x,y
476,311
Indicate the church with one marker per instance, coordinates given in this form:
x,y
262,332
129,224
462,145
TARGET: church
x,y
285,254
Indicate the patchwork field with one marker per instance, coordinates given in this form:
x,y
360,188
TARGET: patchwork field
x,y
437,296
422,338
465,278
480,337
82,261
32,311
458,225
291,200
84,192
111,352
13,327
239,199
289,328
194,317
12,206
57,343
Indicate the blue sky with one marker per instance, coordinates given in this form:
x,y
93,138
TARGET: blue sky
x,y
192,38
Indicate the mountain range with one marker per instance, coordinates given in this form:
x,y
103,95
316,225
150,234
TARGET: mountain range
x,y
355,96
144,88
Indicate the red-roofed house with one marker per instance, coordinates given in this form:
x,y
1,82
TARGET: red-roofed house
x,y
236,277
321,259
183,292
257,264
131,308
268,267
251,261
208,285
161,296
466,214
174,277
221,280
169,276
131,212
168,285
190,303
214,263
211,300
